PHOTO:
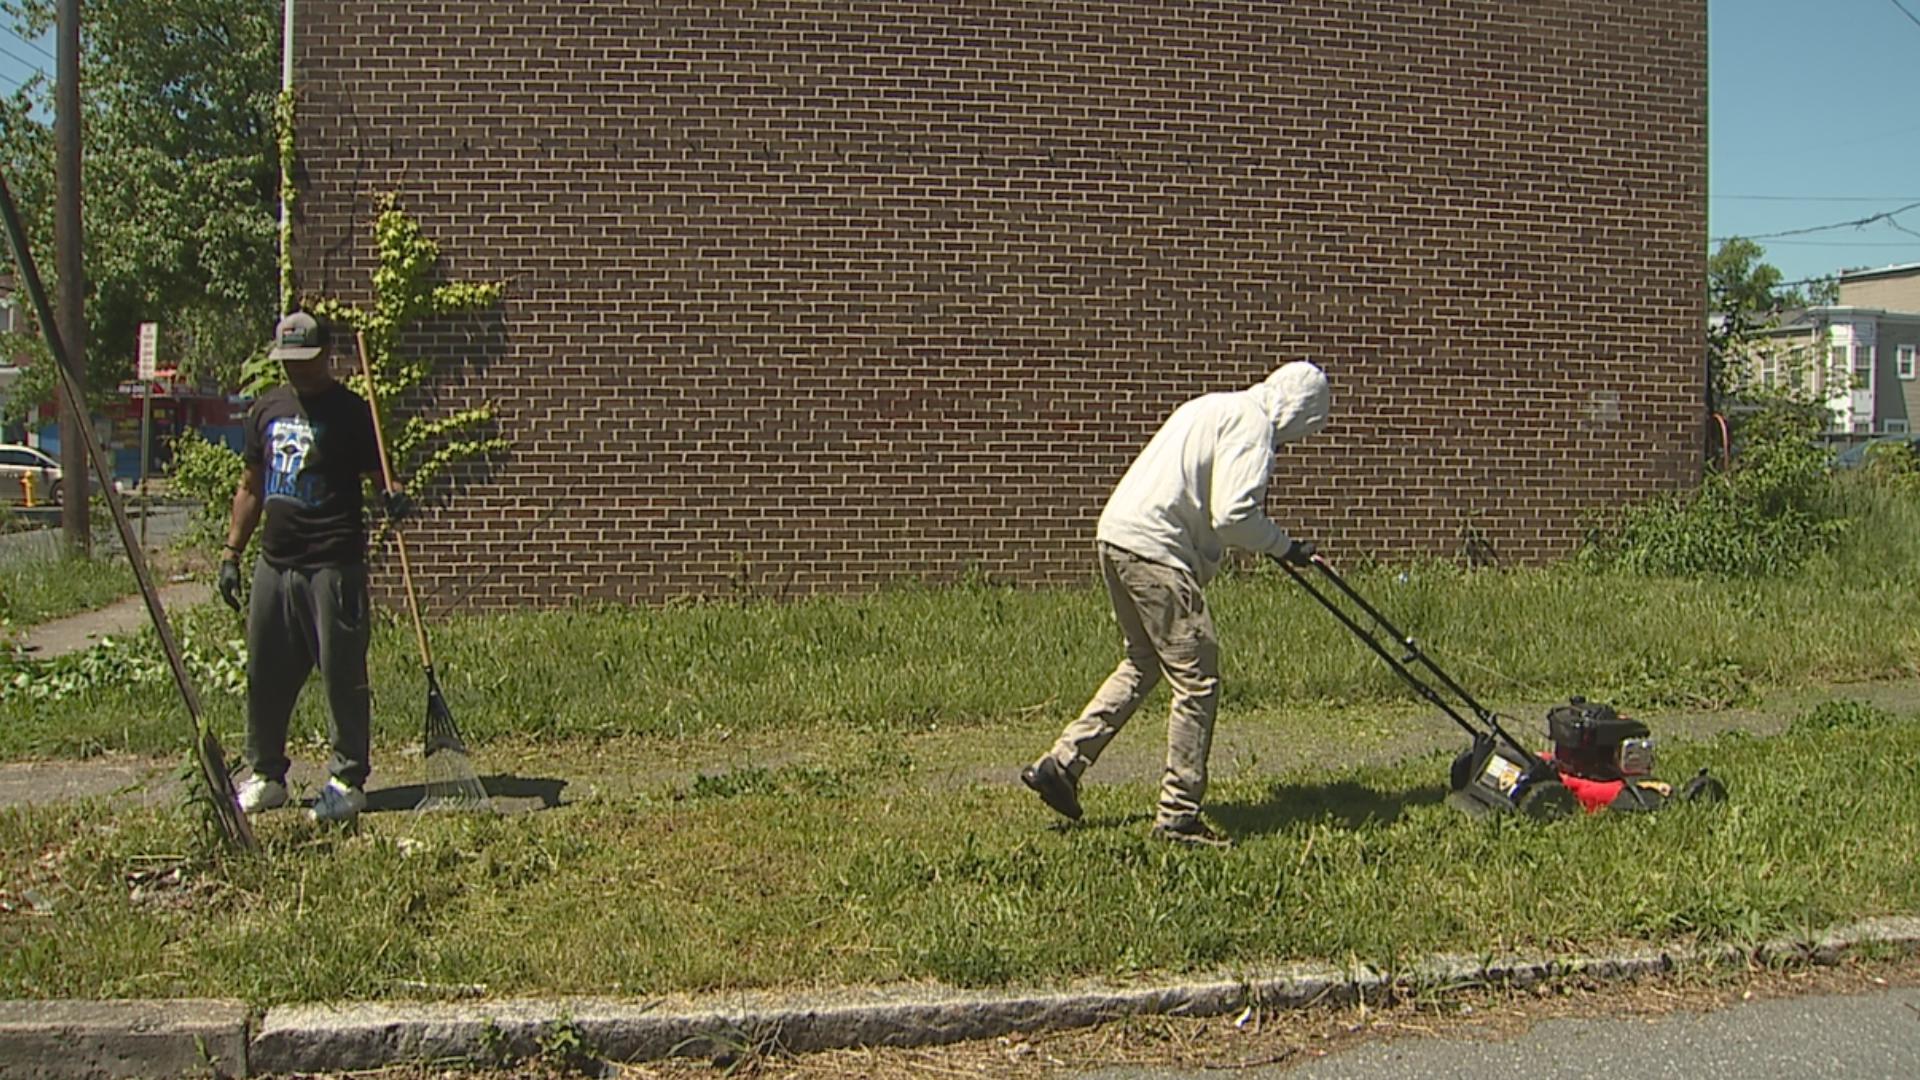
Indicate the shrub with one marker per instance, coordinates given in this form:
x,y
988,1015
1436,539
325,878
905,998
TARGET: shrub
x,y
1764,517
208,473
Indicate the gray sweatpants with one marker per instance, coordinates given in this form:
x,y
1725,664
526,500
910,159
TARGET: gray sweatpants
x,y
299,620
1164,620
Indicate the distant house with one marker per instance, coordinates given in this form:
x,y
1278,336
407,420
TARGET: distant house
x,y
1862,354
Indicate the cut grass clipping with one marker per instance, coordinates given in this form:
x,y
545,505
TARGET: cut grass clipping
x,y
854,869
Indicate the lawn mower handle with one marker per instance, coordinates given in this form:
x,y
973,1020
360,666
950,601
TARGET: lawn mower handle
x,y
1488,722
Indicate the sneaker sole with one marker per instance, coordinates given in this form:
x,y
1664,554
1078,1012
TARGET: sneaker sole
x,y
1189,840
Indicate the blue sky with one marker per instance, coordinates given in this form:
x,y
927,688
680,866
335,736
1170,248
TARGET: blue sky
x,y
1811,122
21,57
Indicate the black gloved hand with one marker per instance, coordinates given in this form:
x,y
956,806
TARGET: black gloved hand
x,y
396,504
230,582
1298,552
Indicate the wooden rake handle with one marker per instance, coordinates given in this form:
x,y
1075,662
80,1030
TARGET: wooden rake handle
x,y
386,475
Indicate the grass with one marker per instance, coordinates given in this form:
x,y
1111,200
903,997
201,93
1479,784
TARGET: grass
x,y
856,871
36,589
860,826
984,657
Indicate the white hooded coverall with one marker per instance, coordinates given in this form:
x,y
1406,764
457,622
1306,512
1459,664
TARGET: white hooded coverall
x,y
1199,487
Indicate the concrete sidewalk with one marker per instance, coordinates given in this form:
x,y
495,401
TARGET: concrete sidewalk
x,y
170,1038
124,617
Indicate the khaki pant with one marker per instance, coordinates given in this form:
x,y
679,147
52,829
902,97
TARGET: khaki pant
x,y
1168,630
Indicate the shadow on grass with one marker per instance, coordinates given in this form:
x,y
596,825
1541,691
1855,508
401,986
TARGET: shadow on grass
x,y
1344,803
510,794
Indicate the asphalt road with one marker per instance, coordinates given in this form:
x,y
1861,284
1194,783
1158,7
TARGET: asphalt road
x,y
1870,1036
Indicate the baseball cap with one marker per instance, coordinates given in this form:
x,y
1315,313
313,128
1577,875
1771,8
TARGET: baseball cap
x,y
299,336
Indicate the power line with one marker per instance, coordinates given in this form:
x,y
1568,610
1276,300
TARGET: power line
x,y
30,64
1885,215
28,42
1833,243
1818,198
1904,11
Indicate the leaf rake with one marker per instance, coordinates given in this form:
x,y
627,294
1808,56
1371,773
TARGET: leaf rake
x,y
452,783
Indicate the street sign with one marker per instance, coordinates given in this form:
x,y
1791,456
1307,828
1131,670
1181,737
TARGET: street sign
x,y
149,350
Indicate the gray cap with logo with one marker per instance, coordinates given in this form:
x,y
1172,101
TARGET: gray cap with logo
x,y
299,336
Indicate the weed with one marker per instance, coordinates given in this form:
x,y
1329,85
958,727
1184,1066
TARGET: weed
x,y
1841,714
496,1047
564,1047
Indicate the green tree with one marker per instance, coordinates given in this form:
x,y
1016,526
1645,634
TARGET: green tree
x,y
1745,297
180,177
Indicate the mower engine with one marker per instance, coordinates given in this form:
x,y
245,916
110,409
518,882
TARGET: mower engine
x,y
1592,741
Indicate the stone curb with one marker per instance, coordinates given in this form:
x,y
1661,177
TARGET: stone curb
x,y
116,1039
47,1039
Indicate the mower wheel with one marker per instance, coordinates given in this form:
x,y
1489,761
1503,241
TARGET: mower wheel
x,y
1547,800
1703,788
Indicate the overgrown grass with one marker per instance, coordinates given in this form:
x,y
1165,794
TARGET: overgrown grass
x,y
857,872
35,589
978,655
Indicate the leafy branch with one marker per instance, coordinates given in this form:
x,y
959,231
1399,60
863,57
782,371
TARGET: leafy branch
x,y
404,293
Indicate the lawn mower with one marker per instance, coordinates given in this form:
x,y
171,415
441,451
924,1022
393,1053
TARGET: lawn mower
x,y
1599,759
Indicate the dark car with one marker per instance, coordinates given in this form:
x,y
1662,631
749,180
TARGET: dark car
x,y
1853,457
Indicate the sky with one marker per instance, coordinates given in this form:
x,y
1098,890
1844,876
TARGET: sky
x,y
1813,134
1812,122
21,57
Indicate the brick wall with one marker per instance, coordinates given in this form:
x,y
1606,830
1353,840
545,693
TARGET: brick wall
x,y
807,296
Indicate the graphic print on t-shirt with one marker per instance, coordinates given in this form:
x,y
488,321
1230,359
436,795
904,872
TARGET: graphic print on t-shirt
x,y
289,441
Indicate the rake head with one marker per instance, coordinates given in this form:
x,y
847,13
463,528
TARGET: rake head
x,y
452,783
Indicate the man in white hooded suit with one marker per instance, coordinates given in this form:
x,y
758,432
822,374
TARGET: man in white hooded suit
x,y
1199,487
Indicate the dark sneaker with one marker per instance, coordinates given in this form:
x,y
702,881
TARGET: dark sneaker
x,y
1054,786
1190,831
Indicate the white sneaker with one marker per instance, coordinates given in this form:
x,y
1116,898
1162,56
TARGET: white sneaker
x,y
257,793
338,802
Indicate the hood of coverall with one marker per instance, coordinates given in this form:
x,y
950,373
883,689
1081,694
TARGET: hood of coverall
x,y
1296,399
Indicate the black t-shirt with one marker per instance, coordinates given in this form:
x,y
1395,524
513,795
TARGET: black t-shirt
x,y
313,449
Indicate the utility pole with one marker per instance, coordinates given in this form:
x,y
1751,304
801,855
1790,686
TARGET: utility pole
x,y
66,254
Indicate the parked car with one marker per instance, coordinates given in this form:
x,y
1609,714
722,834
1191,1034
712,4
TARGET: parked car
x,y
1853,457
17,461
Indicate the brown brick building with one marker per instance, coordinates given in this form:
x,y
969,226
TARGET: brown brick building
x,y
815,295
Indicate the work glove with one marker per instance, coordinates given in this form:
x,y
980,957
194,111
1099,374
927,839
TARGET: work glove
x,y
1298,552
396,504
230,582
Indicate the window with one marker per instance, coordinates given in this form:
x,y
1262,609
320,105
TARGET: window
x,y
1903,355
1862,367
1894,427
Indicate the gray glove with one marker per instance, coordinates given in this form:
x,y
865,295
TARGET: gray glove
x,y
229,582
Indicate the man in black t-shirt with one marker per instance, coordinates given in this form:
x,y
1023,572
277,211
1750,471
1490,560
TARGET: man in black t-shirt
x,y
308,444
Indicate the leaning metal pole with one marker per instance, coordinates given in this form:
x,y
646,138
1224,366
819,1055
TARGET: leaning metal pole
x,y
67,266
209,756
